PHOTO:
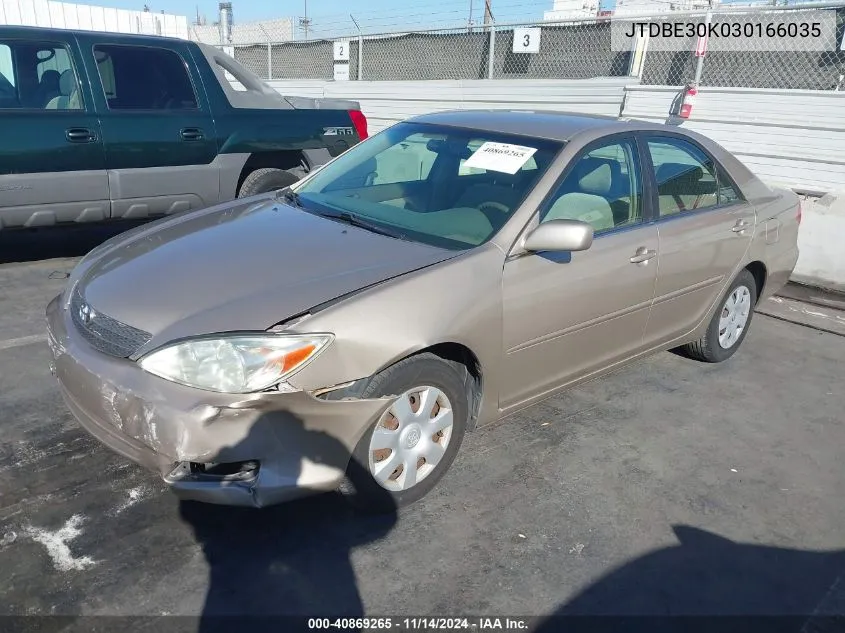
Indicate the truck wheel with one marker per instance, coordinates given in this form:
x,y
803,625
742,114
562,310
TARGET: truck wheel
x,y
266,180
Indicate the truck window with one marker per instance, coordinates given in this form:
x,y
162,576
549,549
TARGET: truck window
x,y
144,78
8,94
37,75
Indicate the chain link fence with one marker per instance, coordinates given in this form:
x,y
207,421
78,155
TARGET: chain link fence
x,y
579,49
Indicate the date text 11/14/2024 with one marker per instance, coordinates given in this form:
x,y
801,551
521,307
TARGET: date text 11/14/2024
x,y
419,624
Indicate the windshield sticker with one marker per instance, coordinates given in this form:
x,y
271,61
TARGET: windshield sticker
x,y
502,157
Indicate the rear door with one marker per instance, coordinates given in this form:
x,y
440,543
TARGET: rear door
x,y
159,134
705,228
52,166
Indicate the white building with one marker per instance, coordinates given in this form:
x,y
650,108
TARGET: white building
x,y
280,30
86,17
626,8
578,9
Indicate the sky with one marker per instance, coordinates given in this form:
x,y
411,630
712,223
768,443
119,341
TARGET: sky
x,y
387,13
332,17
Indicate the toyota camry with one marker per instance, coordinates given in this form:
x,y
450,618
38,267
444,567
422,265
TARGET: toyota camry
x,y
347,331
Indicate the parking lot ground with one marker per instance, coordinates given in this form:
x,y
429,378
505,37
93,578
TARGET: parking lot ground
x,y
668,487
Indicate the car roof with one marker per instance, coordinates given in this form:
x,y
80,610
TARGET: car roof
x,y
545,124
32,31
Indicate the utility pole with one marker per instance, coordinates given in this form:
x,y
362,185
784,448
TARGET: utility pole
x,y
469,22
304,22
488,13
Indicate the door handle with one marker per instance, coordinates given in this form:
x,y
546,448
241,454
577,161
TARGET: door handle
x,y
80,135
740,226
191,134
643,255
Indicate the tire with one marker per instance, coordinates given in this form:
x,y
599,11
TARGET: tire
x,y
265,180
708,348
361,487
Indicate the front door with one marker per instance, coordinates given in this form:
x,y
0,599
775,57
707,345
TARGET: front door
x,y
160,138
52,167
705,229
567,315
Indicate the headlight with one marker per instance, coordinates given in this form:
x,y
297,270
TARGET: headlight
x,y
235,363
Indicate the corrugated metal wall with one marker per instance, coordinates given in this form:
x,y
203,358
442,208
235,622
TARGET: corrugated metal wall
x,y
386,103
788,137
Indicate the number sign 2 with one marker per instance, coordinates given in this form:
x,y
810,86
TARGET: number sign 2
x,y
526,40
341,51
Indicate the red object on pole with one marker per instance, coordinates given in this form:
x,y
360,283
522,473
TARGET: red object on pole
x,y
690,93
701,46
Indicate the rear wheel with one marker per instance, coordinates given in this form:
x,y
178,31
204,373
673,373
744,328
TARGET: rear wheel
x,y
265,180
729,324
410,447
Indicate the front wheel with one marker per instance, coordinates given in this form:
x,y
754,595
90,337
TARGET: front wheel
x,y
729,323
410,447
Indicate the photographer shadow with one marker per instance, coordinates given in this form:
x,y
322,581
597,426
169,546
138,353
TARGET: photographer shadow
x,y
708,583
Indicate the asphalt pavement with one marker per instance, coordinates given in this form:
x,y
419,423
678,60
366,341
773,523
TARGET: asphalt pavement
x,y
668,487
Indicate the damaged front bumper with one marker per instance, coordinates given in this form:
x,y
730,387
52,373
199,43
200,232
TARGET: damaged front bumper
x,y
248,450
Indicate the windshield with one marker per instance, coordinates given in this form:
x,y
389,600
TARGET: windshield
x,y
447,187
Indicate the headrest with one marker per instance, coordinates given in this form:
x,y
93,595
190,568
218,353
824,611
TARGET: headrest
x,y
50,76
594,176
672,174
67,83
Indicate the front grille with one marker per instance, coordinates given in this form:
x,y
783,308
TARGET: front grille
x,y
104,333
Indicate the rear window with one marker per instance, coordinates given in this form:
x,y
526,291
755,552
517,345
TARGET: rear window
x,y
144,78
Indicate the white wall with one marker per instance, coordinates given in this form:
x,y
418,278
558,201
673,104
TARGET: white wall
x,y
821,240
388,102
65,15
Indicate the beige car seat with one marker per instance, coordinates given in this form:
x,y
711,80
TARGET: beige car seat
x,y
589,203
68,98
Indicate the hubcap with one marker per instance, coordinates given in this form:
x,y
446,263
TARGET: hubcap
x,y
411,438
734,316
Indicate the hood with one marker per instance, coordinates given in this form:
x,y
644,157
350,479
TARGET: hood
x,y
242,266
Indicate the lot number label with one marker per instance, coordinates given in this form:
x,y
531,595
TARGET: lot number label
x,y
341,72
502,157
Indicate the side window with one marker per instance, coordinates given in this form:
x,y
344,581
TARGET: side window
x,y
37,75
408,161
8,92
686,177
604,188
144,78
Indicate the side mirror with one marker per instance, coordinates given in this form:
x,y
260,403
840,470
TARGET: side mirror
x,y
560,235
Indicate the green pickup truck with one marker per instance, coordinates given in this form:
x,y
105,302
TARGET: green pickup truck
x,y
106,126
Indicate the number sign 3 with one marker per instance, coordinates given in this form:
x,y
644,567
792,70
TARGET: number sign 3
x,y
526,40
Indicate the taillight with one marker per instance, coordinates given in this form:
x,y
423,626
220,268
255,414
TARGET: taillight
x,y
360,123
798,217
